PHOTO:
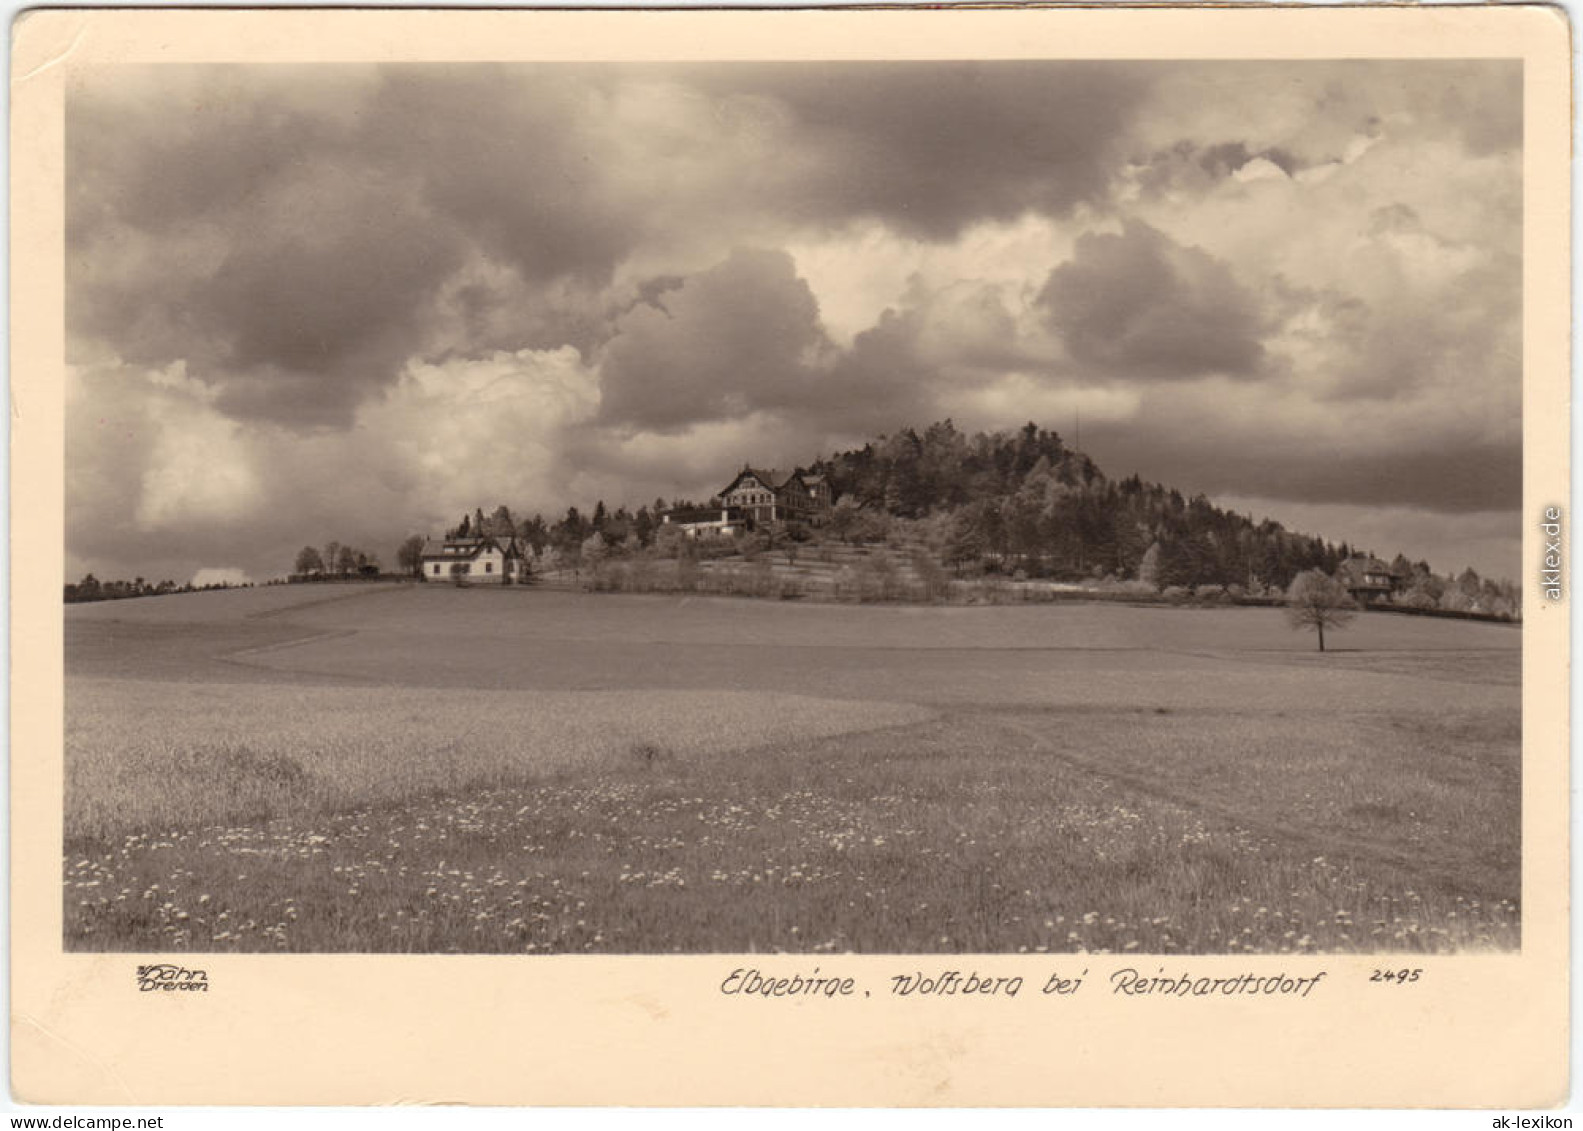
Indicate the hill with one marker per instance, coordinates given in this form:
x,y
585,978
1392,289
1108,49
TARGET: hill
x,y
1026,501
916,512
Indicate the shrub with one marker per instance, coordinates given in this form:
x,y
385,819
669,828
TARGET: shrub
x,y
877,579
760,580
936,585
649,754
846,584
1418,598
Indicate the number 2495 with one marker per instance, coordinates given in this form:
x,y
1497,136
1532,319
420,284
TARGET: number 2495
x,y
1401,977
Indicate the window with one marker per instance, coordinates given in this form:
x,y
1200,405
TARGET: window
x,y
436,569
489,567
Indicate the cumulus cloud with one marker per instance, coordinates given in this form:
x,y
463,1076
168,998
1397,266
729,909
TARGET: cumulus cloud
x,y
740,336
294,284
1138,304
1313,113
859,271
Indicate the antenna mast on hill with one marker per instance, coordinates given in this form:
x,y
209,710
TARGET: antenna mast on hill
x,y
1077,427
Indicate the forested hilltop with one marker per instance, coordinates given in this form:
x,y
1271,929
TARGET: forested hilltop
x,y
1013,506
1024,501
1027,501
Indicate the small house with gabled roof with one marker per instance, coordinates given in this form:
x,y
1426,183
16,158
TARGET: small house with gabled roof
x,y
474,561
1368,579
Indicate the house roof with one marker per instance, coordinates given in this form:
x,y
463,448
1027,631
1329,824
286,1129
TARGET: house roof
x,y
1363,572
770,477
466,549
773,478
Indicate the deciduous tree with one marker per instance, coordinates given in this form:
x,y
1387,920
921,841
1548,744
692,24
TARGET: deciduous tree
x,y
309,561
410,556
1149,566
1318,601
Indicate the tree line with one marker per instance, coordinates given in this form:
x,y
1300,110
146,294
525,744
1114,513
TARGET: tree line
x,y
335,560
563,542
1017,503
90,588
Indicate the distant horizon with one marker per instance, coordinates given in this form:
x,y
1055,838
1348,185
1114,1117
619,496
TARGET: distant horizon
x,y
346,301
1385,522
209,575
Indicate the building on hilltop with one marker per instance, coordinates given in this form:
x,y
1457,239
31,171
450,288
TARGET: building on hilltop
x,y
773,496
757,498
476,561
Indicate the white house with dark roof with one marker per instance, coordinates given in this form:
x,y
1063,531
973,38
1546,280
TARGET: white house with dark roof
x,y
475,561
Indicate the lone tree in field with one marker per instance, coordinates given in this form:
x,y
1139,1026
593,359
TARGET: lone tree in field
x,y
1318,601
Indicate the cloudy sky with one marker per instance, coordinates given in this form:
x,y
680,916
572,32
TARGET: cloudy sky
x,y
307,303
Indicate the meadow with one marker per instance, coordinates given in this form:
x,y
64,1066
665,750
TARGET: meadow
x,y
427,769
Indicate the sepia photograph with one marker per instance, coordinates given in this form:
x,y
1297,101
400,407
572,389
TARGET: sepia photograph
x,y
814,507
1008,523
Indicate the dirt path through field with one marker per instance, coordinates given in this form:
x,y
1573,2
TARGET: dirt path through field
x,y
1470,872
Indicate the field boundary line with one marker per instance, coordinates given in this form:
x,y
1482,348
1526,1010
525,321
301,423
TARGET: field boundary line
x,y
241,658
1305,662
294,642
269,614
1378,853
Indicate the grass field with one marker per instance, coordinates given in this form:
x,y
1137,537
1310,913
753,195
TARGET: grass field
x,y
429,769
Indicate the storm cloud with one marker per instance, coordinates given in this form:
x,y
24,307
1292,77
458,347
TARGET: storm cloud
x,y
739,337
1138,304
302,300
